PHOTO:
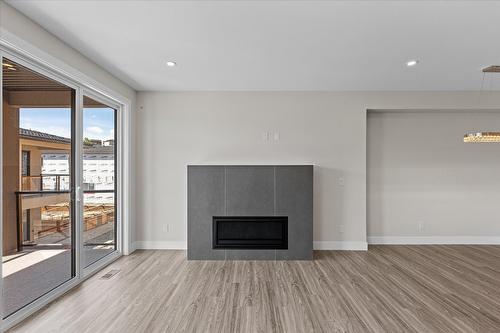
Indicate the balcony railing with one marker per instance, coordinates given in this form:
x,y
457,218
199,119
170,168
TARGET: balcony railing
x,y
55,182
45,216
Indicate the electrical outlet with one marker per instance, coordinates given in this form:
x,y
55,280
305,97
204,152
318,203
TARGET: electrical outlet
x,y
166,228
276,136
342,228
421,226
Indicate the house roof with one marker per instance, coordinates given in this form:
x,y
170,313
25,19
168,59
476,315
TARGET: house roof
x,y
36,135
41,136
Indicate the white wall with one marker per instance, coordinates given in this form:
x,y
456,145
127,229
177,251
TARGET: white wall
x,y
425,185
324,128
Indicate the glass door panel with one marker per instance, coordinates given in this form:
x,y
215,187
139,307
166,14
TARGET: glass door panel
x,y
38,158
99,180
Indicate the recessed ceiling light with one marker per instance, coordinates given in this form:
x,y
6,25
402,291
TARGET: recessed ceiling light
x,y
411,63
171,63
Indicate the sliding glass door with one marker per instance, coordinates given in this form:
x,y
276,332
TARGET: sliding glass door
x,y
38,252
60,216
99,180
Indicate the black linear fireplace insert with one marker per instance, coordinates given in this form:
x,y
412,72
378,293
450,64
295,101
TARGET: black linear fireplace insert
x,y
250,232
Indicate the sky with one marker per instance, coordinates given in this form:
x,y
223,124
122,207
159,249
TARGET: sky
x,y
98,123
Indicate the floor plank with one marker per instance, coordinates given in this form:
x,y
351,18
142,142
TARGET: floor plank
x,y
386,289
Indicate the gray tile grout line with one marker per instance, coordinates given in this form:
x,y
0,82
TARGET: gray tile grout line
x,y
225,203
225,191
274,202
274,190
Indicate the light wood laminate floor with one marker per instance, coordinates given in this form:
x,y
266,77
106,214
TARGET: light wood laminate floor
x,y
387,289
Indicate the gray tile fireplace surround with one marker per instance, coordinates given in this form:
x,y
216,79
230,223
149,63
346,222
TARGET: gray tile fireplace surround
x,y
250,190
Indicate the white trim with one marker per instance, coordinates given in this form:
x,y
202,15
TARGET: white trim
x,y
346,245
132,247
321,245
77,157
160,245
429,240
125,186
341,245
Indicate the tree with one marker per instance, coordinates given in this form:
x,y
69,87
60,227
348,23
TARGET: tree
x,y
87,142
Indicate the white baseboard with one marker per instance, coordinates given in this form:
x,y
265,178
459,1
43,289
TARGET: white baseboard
x,y
349,245
340,245
322,245
160,245
132,247
430,240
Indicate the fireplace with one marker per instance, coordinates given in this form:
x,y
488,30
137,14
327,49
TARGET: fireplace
x,y
250,232
250,212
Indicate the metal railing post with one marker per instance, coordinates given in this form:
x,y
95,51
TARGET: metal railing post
x,y
19,228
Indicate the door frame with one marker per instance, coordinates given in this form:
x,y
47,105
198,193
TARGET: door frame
x,y
107,259
44,64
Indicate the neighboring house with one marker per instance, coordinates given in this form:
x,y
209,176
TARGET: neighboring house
x,y
98,171
98,165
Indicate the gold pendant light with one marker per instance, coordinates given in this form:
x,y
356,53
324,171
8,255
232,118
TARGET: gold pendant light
x,y
484,137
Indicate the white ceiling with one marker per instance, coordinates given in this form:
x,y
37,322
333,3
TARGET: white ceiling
x,y
282,45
